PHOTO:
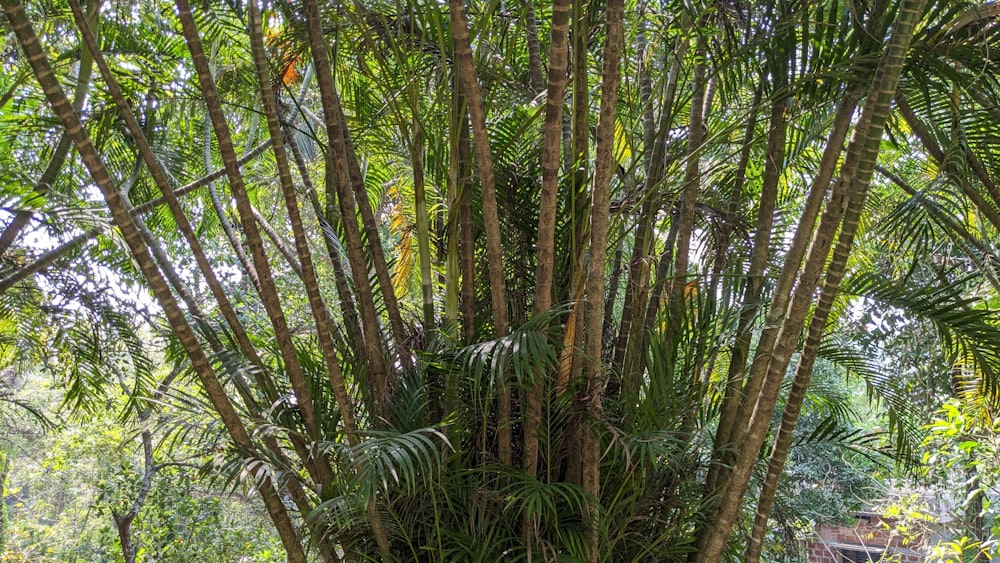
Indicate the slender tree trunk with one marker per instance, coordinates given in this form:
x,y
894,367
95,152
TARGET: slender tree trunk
x,y
579,223
800,382
534,48
760,251
491,219
614,284
452,280
279,242
265,384
630,344
4,472
467,233
855,176
551,161
638,282
321,316
64,111
370,225
58,158
423,224
736,392
604,165
722,255
337,162
269,293
124,526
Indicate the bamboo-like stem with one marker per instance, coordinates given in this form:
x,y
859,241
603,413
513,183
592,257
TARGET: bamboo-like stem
x,y
604,165
61,151
28,40
340,181
321,315
551,161
491,219
855,177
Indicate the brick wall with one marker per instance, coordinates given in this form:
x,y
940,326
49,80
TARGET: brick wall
x,y
869,532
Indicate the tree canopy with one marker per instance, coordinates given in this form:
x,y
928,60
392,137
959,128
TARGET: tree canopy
x,y
496,280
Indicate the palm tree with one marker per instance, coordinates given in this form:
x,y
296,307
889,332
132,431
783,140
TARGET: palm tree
x,y
40,66
588,359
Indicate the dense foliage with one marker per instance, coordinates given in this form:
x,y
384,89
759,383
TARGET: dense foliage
x,y
432,281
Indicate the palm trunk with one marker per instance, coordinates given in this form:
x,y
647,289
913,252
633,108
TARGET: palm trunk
x,y
58,158
534,48
491,219
578,197
456,113
222,213
279,242
320,314
736,394
760,251
722,255
638,282
265,384
614,284
630,342
269,293
339,171
551,161
423,224
371,226
467,234
170,197
67,115
604,165
803,373
855,176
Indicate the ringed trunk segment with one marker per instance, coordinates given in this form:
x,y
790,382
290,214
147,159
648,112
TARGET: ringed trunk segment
x,y
551,162
321,315
773,168
270,298
604,165
60,105
491,219
854,178
338,171
737,392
